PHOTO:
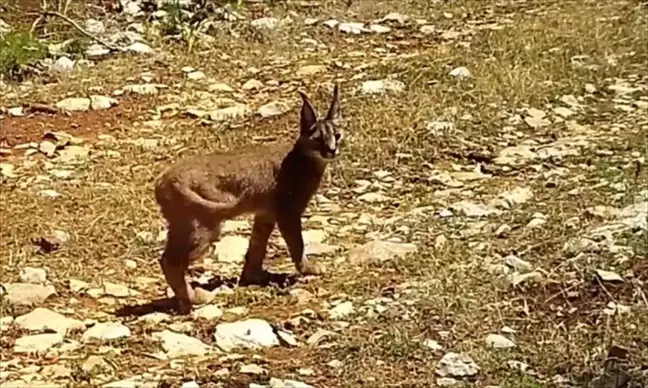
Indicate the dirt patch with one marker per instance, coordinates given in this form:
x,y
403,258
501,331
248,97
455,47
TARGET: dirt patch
x,y
19,130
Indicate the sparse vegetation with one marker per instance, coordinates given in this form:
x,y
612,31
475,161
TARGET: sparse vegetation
x,y
561,85
18,50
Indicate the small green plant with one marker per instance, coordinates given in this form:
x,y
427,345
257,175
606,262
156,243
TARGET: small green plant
x,y
17,50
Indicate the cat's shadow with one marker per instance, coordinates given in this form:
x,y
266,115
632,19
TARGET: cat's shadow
x,y
169,305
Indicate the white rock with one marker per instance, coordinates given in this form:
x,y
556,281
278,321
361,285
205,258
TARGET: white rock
x,y
517,196
460,72
373,198
378,250
447,382
39,343
16,111
33,275
74,104
8,170
96,50
274,108
232,249
180,345
536,118
427,29
139,48
252,84
432,345
277,383
518,264
252,369
155,318
248,334
116,290
209,312
498,341
379,29
439,127
190,384
95,26
609,276
102,102
456,365
268,23
41,319
471,209
49,193
6,323
352,28
231,112
27,294
382,86
77,285
319,336
106,331
220,87
63,65
310,70
341,311
196,75
143,89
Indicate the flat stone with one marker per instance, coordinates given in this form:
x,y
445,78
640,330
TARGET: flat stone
x,y
63,65
33,275
27,294
608,276
139,48
382,86
252,369
341,311
248,334
102,102
378,250
498,341
518,264
209,312
106,331
274,108
460,72
277,383
116,290
180,345
231,112
310,70
41,319
39,343
456,365
231,249
74,104
252,84
471,209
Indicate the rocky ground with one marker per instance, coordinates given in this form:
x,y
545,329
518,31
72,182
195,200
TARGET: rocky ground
x,y
484,226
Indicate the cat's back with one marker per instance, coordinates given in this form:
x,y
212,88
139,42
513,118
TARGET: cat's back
x,y
232,164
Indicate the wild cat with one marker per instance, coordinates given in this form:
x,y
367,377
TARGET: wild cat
x,y
275,183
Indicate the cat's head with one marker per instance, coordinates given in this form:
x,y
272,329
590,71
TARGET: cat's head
x,y
320,138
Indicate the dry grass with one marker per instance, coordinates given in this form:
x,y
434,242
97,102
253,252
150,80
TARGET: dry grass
x,y
547,49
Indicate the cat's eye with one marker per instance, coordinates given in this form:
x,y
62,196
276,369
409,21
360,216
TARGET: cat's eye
x,y
338,136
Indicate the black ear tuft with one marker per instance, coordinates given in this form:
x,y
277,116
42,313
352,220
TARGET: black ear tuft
x,y
334,110
308,117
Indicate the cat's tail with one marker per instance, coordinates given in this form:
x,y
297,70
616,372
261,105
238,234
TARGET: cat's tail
x,y
202,205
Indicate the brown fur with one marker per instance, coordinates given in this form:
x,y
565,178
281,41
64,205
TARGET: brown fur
x,y
275,183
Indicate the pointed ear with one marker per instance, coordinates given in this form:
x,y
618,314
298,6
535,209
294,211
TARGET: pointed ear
x,y
308,117
334,110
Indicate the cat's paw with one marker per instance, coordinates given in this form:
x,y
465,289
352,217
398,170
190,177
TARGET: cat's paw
x,y
311,267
